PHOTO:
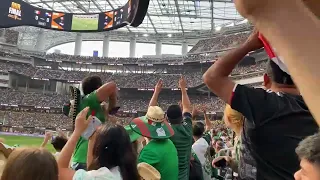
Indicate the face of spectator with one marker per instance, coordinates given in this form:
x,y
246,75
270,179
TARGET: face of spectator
x,y
308,171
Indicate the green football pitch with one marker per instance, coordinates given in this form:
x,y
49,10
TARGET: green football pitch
x,y
84,23
24,141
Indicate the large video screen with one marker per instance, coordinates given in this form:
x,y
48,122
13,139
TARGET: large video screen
x,y
18,13
85,22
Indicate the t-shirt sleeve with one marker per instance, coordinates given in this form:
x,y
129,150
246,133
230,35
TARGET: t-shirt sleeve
x,y
187,121
92,100
256,104
148,156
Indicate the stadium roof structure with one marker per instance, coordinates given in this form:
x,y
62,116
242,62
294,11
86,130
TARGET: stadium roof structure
x,y
168,20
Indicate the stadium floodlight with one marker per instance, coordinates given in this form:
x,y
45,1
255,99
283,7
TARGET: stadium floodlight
x,y
169,35
218,28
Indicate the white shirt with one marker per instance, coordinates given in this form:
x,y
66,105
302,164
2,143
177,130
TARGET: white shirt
x,y
200,148
100,174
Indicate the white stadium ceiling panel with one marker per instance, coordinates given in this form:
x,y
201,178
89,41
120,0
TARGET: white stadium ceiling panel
x,y
164,16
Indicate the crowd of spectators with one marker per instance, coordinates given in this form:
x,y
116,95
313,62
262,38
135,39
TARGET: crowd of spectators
x,y
126,80
260,137
14,97
48,120
10,36
220,42
35,119
146,60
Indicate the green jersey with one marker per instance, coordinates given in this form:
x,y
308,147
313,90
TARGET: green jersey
x,y
91,101
162,155
182,139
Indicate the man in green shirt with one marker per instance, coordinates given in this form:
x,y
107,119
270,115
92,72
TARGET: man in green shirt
x,y
94,94
159,152
181,123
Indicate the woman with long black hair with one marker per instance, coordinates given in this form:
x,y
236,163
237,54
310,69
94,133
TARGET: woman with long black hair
x,y
110,153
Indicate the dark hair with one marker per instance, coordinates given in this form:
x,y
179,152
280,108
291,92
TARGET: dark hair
x,y
309,149
174,114
198,129
277,75
90,84
135,145
30,164
113,148
59,142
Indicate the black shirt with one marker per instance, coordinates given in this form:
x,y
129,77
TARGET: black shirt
x,y
275,124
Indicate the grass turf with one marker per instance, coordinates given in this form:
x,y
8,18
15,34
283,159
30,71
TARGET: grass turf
x,y
84,24
24,141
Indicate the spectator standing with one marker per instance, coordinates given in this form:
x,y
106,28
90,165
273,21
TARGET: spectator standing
x,y
181,123
274,117
95,93
233,120
159,152
110,154
57,142
201,146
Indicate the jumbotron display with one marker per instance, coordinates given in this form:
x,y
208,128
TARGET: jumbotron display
x,y
19,13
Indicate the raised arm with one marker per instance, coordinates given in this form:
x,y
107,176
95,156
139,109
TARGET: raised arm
x,y
194,113
206,119
217,76
106,92
294,31
46,139
157,90
185,102
65,173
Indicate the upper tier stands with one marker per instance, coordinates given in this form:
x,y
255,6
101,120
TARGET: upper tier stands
x,y
220,43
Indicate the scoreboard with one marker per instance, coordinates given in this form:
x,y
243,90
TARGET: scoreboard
x,y
19,13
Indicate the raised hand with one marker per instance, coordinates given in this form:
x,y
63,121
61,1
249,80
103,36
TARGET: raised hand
x,y
182,83
47,136
158,86
253,42
81,121
194,111
204,108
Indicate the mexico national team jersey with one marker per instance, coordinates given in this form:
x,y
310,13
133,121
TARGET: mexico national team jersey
x,y
90,100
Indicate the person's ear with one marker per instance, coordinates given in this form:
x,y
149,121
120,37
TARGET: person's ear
x,y
266,81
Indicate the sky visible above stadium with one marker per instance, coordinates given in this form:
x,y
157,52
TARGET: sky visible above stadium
x,y
117,49
164,16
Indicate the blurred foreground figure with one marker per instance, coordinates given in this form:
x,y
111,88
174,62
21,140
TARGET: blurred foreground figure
x,y
276,117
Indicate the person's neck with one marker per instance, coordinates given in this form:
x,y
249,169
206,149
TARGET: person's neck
x,y
195,138
288,90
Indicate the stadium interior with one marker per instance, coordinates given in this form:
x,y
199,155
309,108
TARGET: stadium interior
x,y
159,89
35,84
